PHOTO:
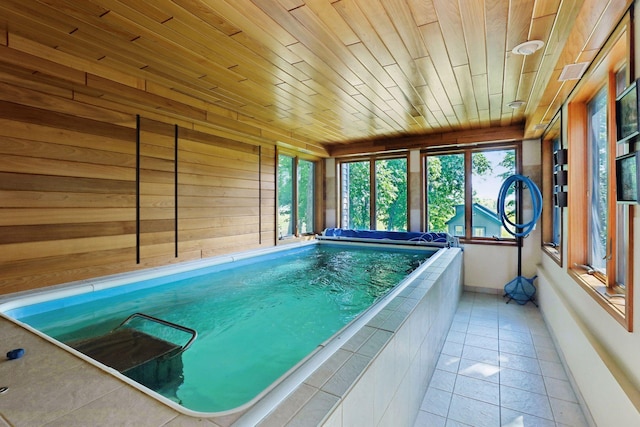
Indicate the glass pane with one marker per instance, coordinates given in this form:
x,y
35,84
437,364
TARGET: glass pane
x,y
622,242
598,153
479,231
621,80
557,211
356,195
391,195
622,232
305,196
445,194
285,196
489,169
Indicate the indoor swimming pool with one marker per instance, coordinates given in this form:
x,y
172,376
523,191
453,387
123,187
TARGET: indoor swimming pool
x,y
255,318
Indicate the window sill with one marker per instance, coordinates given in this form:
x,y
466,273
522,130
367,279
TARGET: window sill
x,y
553,253
498,242
611,300
285,240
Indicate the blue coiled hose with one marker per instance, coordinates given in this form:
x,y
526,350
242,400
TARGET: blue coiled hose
x,y
515,229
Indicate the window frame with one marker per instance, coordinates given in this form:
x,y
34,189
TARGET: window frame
x,y
312,199
295,196
551,165
602,288
468,151
372,186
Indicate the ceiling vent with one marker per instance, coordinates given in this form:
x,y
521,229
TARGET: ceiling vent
x,y
573,71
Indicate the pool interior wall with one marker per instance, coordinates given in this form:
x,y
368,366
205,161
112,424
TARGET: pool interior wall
x,y
387,363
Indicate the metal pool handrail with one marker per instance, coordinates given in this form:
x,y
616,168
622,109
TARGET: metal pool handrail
x,y
193,332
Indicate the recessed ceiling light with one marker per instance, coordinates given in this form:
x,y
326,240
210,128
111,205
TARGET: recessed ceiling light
x,y
541,126
515,104
528,47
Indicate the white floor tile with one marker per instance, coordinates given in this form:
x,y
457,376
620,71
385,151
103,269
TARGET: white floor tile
x,y
522,380
568,413
510,418
474,412
436,402
482,342
516,336
452,423
548,354
520,363
481,355
553,370
443,380
486,322
525,402
452,349
560,389
520,349
459,326
474,388
482,371
427,419
448,363
542,341
483,331
455,336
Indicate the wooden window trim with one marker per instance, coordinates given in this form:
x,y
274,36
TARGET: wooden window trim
x,y
372,183
294,184
615,52
468,152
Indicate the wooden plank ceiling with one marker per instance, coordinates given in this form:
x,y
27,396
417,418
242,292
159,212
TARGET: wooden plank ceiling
x,y
336,73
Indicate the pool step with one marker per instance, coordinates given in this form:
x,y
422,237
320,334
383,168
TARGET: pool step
x,y
124,349
149,360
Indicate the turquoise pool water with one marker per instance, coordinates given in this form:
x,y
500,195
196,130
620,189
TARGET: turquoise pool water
x,y
255,320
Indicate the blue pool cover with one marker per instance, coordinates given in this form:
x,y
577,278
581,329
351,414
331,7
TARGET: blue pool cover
x,y
407,236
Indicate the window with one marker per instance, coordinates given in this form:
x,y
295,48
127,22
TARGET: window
x,y
285,196
462,190
479,231
554,189
489,170
306,191
391,194
382,180
356,195
296,198
598,191
445,194
599,249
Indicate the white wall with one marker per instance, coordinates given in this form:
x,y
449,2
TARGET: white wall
x,y
599,355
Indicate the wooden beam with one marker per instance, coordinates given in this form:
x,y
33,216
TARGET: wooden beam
x,y
456,138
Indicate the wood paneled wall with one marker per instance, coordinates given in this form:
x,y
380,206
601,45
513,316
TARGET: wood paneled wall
x,y
89,188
